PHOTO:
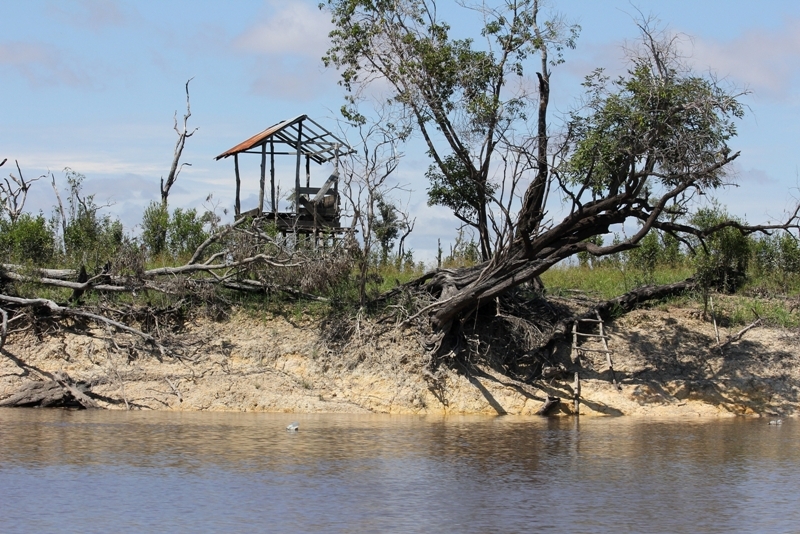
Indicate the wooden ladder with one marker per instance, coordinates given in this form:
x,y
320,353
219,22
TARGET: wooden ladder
x,y
577,351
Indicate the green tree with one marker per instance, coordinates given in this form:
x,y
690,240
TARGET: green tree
x,y
646,257
455,189
386,226
186,231
584,258
640,148
461,97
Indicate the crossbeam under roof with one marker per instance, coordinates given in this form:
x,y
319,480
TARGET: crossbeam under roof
x,y
300,136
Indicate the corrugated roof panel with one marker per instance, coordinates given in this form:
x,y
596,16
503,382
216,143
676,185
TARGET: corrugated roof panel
x,y
257,139
318,143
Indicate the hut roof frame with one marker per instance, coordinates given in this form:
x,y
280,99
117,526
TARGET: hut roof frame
x,y
300,133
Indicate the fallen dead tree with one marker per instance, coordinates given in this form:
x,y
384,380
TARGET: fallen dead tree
x,y
241,258
235,262
58,391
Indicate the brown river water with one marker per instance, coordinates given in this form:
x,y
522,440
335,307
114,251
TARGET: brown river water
x,y
101,471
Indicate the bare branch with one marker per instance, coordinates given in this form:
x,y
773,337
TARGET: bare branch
x,y
183,134
62,311
14,193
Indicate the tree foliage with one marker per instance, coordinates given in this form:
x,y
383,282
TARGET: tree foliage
x,y
87,236
723,257
29,238
462,97
386,226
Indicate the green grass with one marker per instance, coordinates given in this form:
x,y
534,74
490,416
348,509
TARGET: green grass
x,y
774,298
739,310
606,282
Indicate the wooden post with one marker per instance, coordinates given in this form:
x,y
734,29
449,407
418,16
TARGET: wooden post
x,y
272,175
714,317
308,170
608,354
576,395
263,174
574,354
297,170
237,207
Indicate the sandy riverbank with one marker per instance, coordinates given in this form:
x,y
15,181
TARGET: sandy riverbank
x,y
664,360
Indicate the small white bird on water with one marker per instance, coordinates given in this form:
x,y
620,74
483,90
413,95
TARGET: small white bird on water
x,y
293,427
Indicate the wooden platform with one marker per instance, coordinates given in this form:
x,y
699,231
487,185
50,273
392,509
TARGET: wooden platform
x,y
287,222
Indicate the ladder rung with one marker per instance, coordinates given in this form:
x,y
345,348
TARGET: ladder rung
x,y
594,350
592,335
590,320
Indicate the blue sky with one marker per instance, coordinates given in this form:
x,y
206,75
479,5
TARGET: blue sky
x,y
93,85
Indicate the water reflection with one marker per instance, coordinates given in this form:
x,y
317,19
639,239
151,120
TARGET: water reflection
x,y
190,472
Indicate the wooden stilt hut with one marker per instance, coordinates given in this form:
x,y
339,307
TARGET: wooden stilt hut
x,y
313,209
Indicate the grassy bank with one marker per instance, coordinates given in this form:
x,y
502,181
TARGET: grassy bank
x,y
774,298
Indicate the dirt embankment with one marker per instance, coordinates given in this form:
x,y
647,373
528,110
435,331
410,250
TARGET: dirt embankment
x,y
665,361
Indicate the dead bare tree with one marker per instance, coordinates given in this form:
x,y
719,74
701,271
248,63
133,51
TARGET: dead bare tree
x,y
407,225
183,134
366,185
14,193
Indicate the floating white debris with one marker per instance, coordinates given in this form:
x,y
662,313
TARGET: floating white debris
x,y
776,422
294,427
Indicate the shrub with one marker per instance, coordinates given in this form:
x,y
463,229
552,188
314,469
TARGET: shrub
x,y
155,222
777,253
28,239
722,263
185,231
179,234
87,236
646,256
584,258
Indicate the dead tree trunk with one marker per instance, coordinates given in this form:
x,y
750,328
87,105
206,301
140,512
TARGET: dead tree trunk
x,y
183,134
60,391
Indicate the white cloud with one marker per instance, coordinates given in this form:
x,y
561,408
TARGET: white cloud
x,y
294,28
287,46
766,61
40,64
95,15
86,164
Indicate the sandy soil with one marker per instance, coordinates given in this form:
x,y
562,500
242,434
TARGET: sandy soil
x,y
665,361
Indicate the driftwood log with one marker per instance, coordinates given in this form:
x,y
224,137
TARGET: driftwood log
x,y
60,391
550,404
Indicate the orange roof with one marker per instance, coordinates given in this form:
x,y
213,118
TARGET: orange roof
x,y
314,141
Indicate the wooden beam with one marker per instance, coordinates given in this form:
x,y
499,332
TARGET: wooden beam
x,y
308,171
272,174
334,178
237,207
297,168
263,175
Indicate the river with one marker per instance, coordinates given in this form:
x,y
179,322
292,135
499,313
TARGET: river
x,y
101,471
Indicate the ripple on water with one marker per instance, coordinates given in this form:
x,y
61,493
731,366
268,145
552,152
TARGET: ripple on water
x,y
189,472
